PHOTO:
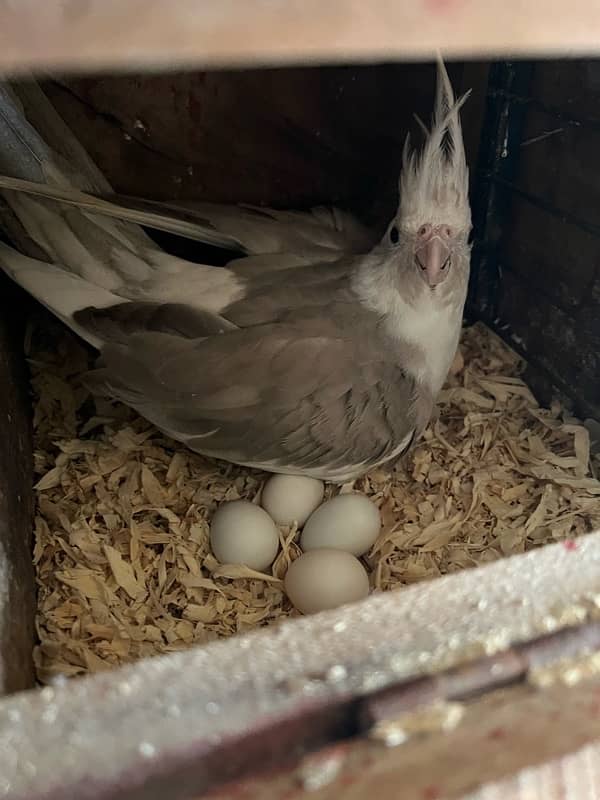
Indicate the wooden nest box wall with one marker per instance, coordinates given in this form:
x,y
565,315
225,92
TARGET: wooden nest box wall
x,y
292,137
466,686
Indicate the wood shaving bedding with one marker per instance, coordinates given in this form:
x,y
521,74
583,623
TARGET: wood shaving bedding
x,y
124,568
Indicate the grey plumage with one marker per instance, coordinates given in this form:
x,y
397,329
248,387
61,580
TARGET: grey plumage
x,y
325,370
301,393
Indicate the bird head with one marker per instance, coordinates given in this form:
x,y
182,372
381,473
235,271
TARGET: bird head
x,y
431,229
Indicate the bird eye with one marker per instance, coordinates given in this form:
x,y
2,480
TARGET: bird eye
x,y
394,235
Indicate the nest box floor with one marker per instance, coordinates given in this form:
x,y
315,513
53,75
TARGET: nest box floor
x,y
123,563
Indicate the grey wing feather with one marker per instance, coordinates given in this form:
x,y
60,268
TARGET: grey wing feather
x,y
175,319
324,232
273,396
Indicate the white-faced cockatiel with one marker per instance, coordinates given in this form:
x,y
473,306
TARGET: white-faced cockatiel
x,y
319,352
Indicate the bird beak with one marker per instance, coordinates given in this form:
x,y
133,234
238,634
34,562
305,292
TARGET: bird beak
x,y
433,260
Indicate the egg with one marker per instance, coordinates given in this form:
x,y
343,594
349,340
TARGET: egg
x,y
291,498
325,578
348,522
243,533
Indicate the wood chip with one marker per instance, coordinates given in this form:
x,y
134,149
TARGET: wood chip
x,y
122,552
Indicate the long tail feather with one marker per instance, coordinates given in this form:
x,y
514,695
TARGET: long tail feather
x,y
42,162
174,222
60,235
256,230
37,145
56,288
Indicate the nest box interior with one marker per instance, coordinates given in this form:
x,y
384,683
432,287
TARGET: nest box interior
x,y
117,522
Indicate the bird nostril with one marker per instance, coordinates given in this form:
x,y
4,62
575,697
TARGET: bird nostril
x,y
424,230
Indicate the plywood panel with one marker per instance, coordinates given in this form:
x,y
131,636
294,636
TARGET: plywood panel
x,y
574,777
542,254
557,259
130,33
289,137
563,353
17,589
195,720
559,163
571,87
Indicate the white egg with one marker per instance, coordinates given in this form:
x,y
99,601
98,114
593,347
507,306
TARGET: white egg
x,y
291,498
242,533
325,578
348,522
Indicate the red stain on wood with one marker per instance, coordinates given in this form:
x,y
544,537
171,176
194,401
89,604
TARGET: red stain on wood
x,y
295,792
440,6
594,708
497,733
569,544
432,793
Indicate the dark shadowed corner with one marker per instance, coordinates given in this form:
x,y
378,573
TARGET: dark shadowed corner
x,y
17,588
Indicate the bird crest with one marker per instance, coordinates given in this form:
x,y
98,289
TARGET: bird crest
x,y
434,184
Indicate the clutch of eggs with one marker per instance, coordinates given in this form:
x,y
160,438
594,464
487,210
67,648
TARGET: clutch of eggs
x,y
328,574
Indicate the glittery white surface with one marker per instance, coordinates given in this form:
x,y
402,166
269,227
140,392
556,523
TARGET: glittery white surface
x,y
96,729
574,777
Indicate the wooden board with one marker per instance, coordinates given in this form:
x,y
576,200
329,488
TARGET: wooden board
x,y
546,296
559,159
287,137
562,354
126,34
573,91
496,735
251,708
557,258
576,776
17,589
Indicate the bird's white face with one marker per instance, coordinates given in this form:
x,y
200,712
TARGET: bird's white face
x,y
431,260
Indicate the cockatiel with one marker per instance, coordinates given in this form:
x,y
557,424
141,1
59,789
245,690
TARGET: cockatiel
x,y
327,369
